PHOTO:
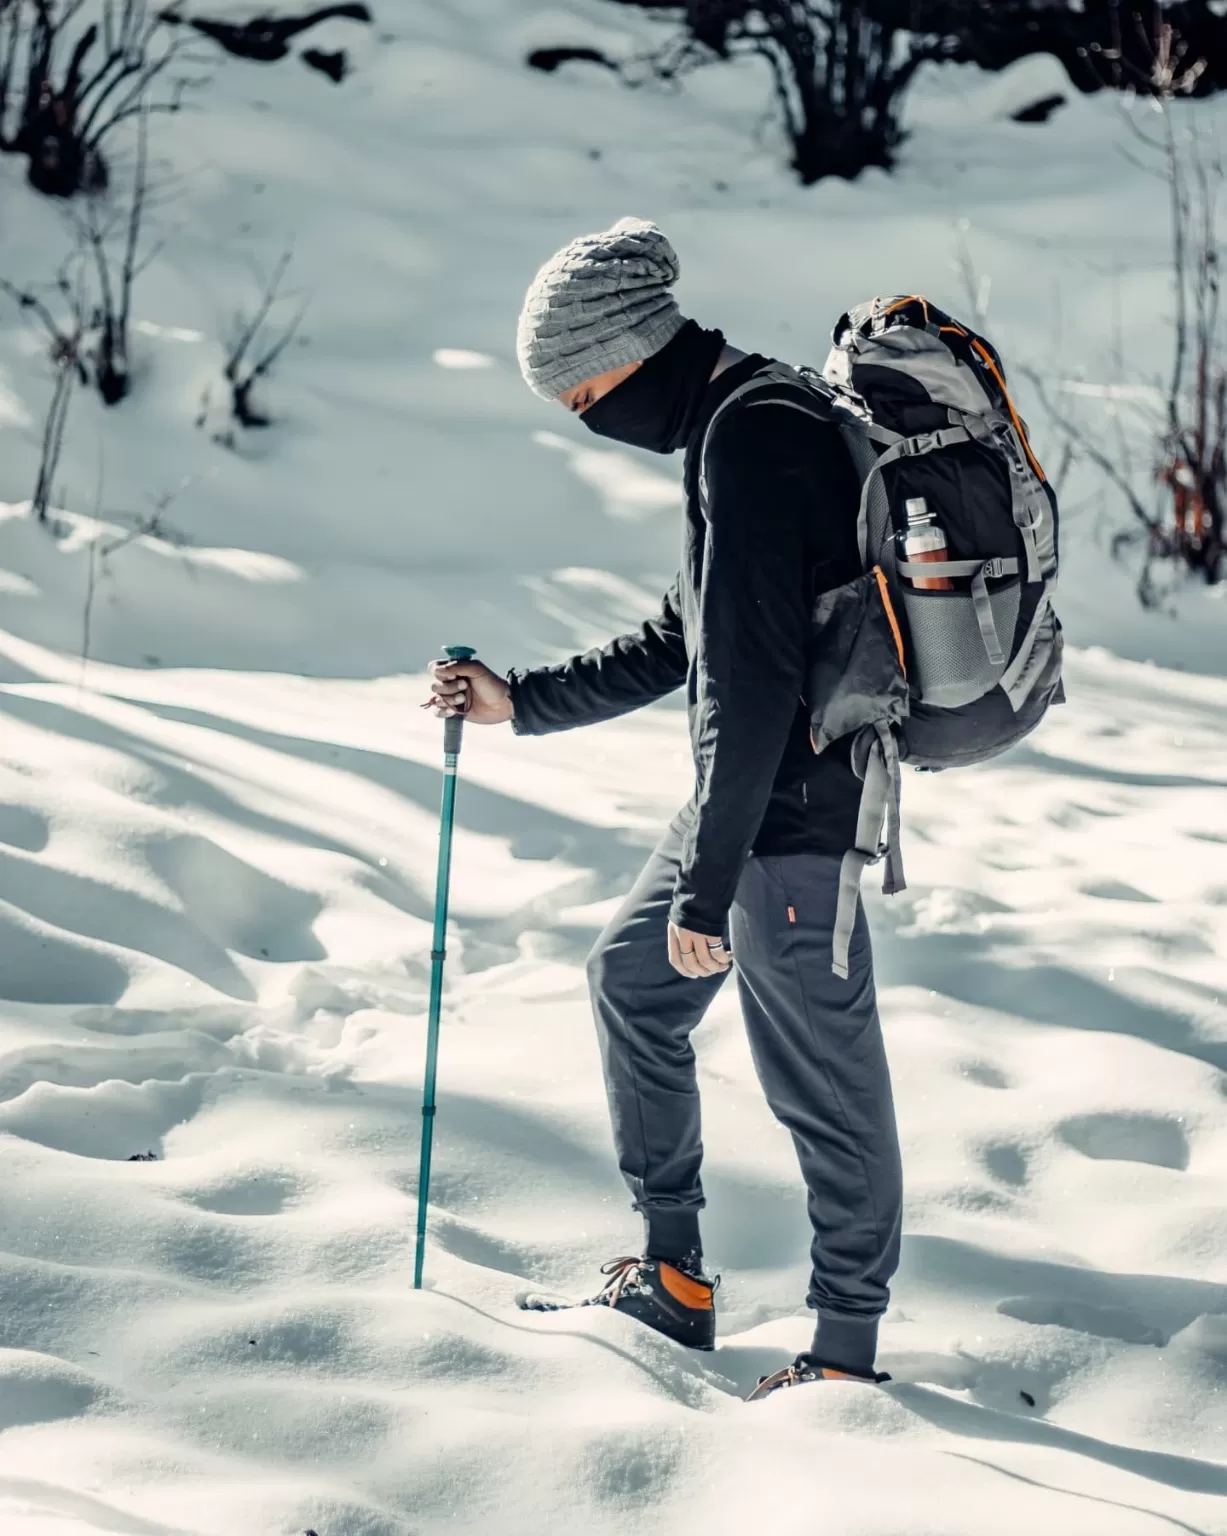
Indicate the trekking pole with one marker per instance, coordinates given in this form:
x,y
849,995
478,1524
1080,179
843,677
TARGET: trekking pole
x,y
453,731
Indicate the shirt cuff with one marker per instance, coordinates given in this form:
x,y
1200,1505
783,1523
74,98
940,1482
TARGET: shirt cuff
x,y
521,713
698,916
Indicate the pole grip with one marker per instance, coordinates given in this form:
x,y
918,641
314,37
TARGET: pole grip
x,y
453,727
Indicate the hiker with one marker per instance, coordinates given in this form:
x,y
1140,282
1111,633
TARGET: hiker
x,y
747,877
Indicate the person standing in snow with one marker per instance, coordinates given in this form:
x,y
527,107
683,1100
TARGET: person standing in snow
x,y
752,863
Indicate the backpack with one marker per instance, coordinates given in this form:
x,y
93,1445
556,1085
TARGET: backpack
x,y
937,679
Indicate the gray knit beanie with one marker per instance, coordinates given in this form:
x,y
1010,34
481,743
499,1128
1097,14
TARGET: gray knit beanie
x,y
599,303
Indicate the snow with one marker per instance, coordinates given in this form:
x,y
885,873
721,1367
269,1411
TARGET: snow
x,y
217,847
458,357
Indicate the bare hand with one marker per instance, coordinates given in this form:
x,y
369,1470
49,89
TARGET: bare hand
x,y
697,954
471,689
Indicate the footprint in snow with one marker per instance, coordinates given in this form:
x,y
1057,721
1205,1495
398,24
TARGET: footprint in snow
x,y
37,1389
1130,1138
20,827
985,1074
1114,890
1100,1321
1007,1162
261,1194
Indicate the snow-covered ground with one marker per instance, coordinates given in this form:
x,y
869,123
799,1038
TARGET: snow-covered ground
x,y
217,855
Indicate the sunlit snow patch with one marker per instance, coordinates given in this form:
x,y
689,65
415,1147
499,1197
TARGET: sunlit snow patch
x,y
168,332
457,357
12,412
629,489
1140,394
251,564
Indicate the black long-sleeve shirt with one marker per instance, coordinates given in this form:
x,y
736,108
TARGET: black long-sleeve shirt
x,y
779,526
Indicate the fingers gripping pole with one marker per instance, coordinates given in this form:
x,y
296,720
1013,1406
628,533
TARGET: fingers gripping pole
x,y
453,731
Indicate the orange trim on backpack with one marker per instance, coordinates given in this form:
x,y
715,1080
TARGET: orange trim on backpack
x,y
1014,416
890,614
691,1293
996,372
912,298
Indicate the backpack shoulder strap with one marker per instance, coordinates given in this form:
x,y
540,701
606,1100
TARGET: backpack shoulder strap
x,y
776,384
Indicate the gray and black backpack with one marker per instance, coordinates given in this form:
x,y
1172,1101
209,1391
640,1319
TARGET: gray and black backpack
x,y
934,678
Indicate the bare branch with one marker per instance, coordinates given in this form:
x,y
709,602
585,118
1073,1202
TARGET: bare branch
x,y
265,365
30,301
65,353
1083,444
116,274
247,334
243,373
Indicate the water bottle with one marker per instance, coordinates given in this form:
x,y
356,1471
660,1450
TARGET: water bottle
x,y
924,540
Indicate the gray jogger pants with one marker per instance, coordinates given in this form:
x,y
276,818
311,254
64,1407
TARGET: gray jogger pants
x,y
817,1047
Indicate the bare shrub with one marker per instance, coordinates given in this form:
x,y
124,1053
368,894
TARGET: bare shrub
x,y
840,70
255,345
112,235
65,87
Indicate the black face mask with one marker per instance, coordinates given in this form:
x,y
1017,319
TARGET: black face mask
x,y
657,405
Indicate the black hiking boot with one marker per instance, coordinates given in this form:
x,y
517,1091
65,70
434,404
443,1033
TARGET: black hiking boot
x,y
805,1368
654,1292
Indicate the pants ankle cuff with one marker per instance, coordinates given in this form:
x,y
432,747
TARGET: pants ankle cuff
x,y
670,1232
846,1343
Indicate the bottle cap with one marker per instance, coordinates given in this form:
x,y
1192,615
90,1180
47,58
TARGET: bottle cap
x,y
917,509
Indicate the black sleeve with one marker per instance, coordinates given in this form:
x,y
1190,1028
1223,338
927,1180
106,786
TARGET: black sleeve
x,y
626,674
754,623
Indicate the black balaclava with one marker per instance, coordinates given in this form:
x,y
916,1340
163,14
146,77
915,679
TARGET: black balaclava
x,y
656,406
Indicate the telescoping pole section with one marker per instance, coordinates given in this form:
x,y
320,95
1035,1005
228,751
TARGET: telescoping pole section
x,y
453,732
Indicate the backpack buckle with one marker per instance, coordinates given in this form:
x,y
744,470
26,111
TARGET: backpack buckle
x,y
993,568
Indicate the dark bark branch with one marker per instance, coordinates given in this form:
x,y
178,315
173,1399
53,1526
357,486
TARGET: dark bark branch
x,y
27,300
1083,444
248,333
243,379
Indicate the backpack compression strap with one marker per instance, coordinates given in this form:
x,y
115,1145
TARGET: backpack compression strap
x,y
879,799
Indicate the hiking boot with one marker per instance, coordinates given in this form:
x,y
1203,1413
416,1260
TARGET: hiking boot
x,y
652,1292
805,1368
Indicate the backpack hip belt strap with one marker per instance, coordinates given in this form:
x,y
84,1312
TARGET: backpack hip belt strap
x,y
879,799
